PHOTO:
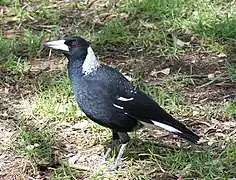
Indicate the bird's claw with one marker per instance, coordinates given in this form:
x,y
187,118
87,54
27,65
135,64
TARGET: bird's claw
x,y
113,167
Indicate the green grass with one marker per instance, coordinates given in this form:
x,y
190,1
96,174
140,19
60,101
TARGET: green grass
x,y
231,70
65,173
55,98
17,50
37,145
139,30
148,23
201,163
114,32
231,109
169,98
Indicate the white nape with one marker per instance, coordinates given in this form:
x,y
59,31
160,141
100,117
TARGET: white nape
x,y
91,62
119,107
124,99
164,126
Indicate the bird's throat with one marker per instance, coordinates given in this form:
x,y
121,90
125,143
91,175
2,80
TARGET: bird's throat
x,y
91,63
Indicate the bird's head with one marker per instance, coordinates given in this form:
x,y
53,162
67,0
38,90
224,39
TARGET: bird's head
x,y
72,47
78,50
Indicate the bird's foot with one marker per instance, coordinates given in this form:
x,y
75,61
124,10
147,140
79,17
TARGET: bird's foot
x,y
104,159
111,145
113,167
118,159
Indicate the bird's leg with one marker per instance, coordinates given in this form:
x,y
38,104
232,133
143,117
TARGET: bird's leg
x,y
124,138
118,158
115,137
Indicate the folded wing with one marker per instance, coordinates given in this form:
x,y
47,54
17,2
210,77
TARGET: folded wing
x,y
141,107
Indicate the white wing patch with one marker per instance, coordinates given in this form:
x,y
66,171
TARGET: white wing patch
x,y
124,99
119,107
148,125
164,126
91,62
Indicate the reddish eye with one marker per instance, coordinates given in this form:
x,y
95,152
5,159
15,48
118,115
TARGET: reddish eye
x,y
74,43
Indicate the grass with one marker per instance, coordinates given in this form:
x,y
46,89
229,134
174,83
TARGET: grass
x,y
231,70
150,22
55,99
140,32
230,109
65,172
205,163
37,145
169,98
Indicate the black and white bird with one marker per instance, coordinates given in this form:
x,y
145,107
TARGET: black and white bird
x,y
109,99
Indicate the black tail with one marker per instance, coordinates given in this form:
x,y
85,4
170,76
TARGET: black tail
x,y
183,131
188,135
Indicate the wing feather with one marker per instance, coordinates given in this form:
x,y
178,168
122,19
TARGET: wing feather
x,y
146,110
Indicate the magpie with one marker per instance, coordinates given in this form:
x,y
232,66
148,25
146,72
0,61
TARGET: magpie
x,y
109,99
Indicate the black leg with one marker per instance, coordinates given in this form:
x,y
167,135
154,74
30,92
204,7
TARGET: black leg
x,y
115,135
124,139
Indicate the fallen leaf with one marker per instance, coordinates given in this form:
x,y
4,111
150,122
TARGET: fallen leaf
x,y
222,55
165,71
180,42
148,25
209,143
220,134
154,72
211,76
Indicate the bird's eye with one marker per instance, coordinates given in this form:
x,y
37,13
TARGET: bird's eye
x,y
73,43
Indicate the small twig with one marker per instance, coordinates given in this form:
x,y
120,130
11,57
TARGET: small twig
x,y
175,78
77,166
226,84
201,122
190,76
41,71
208,83
232,133
172,147
233,95
31,178
90,3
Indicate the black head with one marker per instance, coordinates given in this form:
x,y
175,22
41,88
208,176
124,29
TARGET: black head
x,y
73,46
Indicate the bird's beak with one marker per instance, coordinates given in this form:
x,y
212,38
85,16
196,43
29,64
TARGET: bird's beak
x,y
59,45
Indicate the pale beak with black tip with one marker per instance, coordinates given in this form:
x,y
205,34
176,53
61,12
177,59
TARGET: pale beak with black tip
x,y
58,45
